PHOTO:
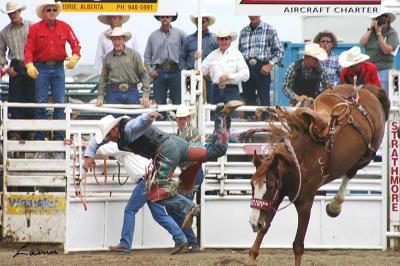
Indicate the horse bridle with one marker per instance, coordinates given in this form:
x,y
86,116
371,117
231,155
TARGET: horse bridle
x,y
267,205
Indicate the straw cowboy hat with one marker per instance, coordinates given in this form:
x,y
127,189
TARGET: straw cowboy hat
x,y
385,11
314,50
328,34
103,18
44,3
225,32
105,125
184,111
352,57
13,6
174,17
118,31
211,18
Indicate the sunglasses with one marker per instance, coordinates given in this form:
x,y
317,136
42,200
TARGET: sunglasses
x,y
325,41
51,10
223,38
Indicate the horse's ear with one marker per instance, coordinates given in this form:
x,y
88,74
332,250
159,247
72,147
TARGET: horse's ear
x,y
275,161
256,160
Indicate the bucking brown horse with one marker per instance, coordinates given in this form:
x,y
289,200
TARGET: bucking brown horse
x,y
335,138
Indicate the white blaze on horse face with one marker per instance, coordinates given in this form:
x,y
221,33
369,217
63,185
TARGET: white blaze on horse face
x,y
259,192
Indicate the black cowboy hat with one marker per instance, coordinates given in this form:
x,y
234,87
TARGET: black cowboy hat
x,y
326,33
174,17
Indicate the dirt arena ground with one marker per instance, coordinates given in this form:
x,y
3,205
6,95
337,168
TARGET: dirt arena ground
x,y
208,257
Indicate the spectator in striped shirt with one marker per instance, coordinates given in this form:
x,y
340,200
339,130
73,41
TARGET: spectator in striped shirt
x,y
261,48
21,86
328,41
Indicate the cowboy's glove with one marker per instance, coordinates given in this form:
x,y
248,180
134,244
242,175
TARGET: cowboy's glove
x,y
31,70
73,60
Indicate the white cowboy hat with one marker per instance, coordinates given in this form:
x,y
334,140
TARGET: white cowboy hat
x,y
13,6
105,125
103,18
211,18
118,31
44,3
184,111
225,32
386,11
314,50
352,56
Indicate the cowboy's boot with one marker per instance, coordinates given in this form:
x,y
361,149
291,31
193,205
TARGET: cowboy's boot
x,y
231,106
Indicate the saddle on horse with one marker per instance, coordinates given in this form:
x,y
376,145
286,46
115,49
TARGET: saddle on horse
x,y
332,111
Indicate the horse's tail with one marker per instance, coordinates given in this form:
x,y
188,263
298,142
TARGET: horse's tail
x,y
289,121
382,97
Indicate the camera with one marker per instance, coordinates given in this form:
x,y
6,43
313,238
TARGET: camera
x,y
380,21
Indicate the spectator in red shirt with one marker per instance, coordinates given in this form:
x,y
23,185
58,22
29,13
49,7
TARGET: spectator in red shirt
x,y
44,58
356,70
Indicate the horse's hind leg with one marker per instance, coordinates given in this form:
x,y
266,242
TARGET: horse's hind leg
x,y
333,209
255,249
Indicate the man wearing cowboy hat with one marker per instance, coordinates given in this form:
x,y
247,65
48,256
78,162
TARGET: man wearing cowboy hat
x,y
381,43
104,45
21,86
122,71
304,77
328,41
44,58
189,52
356,71
161,58
225,67
260,45
168,152
183,117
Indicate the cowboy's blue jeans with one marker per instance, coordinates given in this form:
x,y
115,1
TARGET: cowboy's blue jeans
x,y
50,77
178,217
136,201
115,96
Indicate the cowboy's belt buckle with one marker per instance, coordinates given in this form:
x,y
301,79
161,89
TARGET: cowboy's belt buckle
x,y
252,62
123,87
221,86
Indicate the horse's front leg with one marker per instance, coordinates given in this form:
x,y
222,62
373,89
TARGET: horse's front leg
x,y
303,213
255,249
334,208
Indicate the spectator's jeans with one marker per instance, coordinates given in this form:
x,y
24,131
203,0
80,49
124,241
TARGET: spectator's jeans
x,y
115,96
257,82
209,90
21,90
384,78
136,201
53,78
167,80
230,92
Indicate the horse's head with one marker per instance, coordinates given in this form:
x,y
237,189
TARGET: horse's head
x,y
266,184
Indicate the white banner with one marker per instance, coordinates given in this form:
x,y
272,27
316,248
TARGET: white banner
x,y
308,7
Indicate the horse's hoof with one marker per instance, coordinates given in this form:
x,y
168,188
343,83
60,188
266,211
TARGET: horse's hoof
x,y
330,212
250,262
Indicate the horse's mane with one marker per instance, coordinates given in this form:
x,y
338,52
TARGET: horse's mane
x,y
291,123
382,97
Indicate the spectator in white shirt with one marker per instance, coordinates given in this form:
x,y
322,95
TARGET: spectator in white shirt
x,y
226,68
104,45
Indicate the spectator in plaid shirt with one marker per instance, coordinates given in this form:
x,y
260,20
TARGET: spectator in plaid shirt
x,y
304,76
327,40
262,49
